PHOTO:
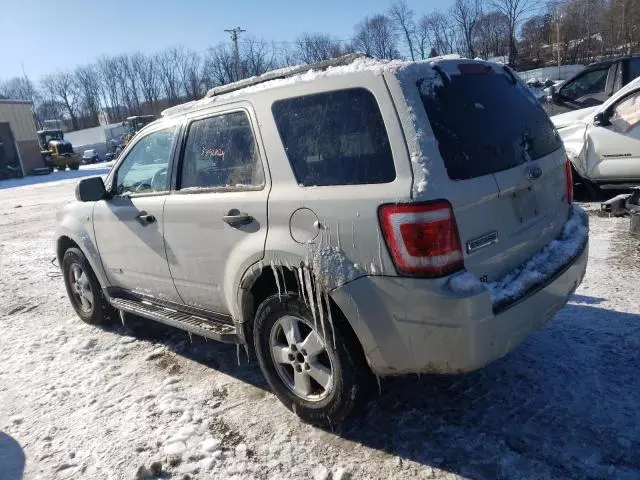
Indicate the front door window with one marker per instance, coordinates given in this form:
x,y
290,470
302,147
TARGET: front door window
x,y
144,170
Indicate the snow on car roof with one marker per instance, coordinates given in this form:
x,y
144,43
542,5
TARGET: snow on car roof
x,y
361,64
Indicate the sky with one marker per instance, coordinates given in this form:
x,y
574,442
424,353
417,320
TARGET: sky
x,y
33,33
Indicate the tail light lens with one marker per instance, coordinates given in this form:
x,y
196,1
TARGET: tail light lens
x,y
422,238
567,169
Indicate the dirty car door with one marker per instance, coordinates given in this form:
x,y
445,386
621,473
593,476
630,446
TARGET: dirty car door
x,y
129,225
216,221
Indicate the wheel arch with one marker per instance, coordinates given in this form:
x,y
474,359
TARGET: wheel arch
x,y
259,283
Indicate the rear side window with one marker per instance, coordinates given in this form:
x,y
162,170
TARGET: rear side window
x,y
335,138
589,83
221,152
634,69
484,124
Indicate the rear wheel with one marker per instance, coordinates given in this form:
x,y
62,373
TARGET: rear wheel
x,y
83,288
318,379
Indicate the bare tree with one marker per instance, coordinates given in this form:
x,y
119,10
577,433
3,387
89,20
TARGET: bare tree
x,y
19,88
465,14
316,47
145,69
219,65
88,88
167,65
513,10
61,87
441,32
256,57
108,69
376,36
403,20
492,35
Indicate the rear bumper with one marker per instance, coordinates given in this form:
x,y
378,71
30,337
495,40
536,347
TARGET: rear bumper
x,y
410,325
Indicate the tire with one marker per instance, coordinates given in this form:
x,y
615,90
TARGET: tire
x,y
74,167
83,284
350,379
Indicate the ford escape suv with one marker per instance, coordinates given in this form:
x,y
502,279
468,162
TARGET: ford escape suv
x,y
341,220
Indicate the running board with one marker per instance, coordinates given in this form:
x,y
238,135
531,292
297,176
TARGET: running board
x,y
198,325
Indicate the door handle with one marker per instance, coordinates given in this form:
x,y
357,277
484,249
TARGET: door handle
x,y
145,219
234,217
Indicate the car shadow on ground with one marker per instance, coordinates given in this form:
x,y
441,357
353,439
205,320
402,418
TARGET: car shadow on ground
x,y
562,405
11,458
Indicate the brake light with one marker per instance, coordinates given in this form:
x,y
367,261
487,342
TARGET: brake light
x,y
474,69
422,238
567,170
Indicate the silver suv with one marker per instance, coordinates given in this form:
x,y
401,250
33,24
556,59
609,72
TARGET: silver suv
x,y
342,220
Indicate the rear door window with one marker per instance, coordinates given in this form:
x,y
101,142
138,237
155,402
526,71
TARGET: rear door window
x,y
221,152
589,83
485,124
335,138
634,69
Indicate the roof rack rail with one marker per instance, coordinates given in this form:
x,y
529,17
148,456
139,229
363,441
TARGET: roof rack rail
x,y
284,73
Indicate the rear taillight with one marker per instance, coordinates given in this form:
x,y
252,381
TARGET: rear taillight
x,y
567,170
422,238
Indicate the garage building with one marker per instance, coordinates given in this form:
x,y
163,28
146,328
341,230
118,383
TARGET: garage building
x,y
19,150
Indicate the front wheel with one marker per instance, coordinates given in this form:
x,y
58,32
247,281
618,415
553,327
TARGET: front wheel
x,y
83,288
319,379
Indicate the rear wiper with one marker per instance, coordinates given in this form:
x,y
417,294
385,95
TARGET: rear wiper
x,y
443,75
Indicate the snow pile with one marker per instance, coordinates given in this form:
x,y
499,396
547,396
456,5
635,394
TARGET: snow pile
x,y
541,267
546,262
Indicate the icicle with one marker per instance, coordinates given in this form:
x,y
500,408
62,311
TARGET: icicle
x,y
333,330
302,285
246,350
379,385
122,317
190,337
284,279
338,235
238,352
312,305
353,234
380,253
295,274
320,309
275,274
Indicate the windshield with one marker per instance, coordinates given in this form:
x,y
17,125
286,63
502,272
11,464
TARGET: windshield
x,y
53,136
485,124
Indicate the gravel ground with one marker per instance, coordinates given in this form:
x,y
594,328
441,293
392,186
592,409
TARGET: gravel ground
x,y
142,399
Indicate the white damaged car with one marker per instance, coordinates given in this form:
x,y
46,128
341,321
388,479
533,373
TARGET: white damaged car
x,y
603,142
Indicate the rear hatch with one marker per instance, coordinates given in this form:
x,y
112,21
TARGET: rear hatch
x,y
504,162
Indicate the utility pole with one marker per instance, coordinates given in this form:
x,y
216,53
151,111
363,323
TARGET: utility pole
x,y
234,32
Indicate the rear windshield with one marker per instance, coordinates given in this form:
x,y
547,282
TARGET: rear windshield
x,y
335,138
484,124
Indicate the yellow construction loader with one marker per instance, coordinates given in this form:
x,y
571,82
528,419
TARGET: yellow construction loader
x,y
56,151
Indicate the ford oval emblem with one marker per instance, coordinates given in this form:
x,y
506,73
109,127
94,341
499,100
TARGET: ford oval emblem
x,y
535,172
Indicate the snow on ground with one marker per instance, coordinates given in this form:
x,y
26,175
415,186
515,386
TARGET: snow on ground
x,y
84,402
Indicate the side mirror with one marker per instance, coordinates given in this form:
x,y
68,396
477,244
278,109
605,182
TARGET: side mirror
x,y
91,190
601,119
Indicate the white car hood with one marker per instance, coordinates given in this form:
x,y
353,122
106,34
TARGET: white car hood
x,y
577,117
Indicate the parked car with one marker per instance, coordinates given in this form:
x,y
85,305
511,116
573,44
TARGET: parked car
x,y
340,220
603,142
89,156
593,85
